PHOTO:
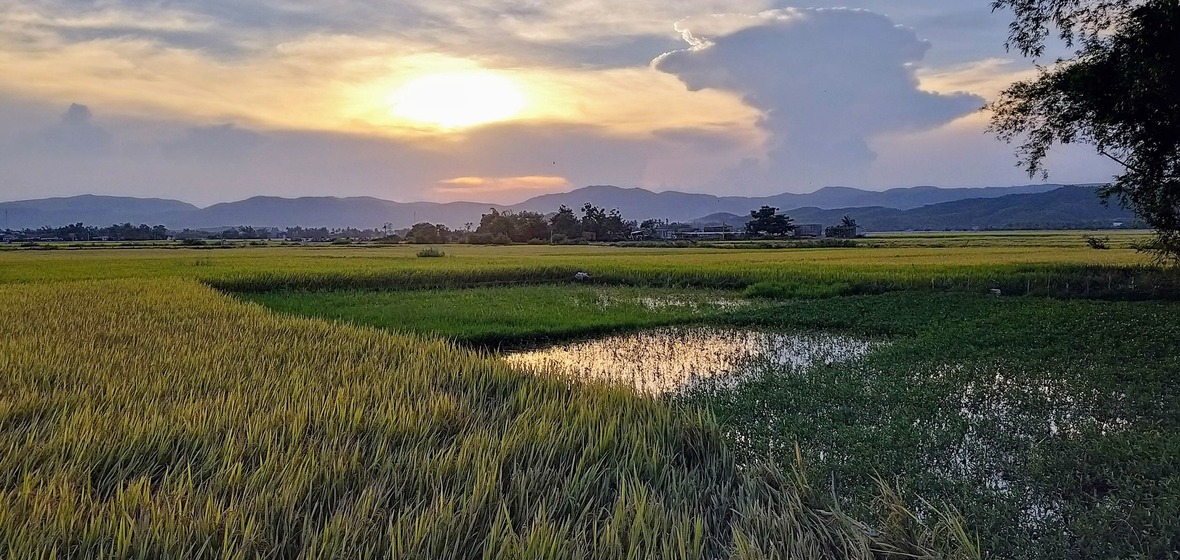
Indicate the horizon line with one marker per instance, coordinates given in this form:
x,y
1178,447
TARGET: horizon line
x,y
501,204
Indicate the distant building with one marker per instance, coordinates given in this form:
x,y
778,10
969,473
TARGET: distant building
x,y
809,230
707,235
844,232
664,233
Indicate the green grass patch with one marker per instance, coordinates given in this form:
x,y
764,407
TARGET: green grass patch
x,y
1041,419
1050,424
794,290
508,316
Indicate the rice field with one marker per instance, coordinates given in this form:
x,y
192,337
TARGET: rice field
x,y
508,316
155,417
151,407
1054,426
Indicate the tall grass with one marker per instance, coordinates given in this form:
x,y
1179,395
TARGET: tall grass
x,y
381,267
162,419
785,281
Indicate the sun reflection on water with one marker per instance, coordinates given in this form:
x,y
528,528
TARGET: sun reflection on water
x,y
674,358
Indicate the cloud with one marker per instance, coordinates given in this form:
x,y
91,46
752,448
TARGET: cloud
x,y
827,81
222,142
74,135
497,183
257,161
962,154
461,187
777,100
985,77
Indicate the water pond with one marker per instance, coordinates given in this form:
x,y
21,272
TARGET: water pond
x,y
672,359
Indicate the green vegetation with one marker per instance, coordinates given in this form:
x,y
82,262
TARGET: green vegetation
x,y
767,221
147,414
795,290
1041,420
1048,423
507,316
1119,92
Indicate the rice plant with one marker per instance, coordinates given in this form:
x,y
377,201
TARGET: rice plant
x,y
162,419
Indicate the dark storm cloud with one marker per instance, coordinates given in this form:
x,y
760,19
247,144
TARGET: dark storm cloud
x,y
826,80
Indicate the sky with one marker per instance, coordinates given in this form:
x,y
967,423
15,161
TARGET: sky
x,y
495,100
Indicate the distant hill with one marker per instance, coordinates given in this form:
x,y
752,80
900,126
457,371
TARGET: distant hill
x,y
89,209
360,212
679,206
1075,206
894,209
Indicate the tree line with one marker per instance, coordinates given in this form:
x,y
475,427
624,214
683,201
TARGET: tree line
x,y
495,228
82,232
504,227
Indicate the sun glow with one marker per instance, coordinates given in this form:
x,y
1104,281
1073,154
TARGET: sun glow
x,y
458,99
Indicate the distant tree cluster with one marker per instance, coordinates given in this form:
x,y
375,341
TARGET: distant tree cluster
x,y
846,229
327,234
495,227
604,226
298,233
245,232
82,232
503,227
768,222
425,232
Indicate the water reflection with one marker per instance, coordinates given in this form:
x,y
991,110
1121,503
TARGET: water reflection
x,y
669,359
1011,420
654,303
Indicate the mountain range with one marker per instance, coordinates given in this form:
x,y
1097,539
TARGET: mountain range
x,y
1072,206
890,210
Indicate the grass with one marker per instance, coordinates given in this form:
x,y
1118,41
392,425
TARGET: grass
x,y
1040,419
247,265
1046,422
162,419
507,316
148,415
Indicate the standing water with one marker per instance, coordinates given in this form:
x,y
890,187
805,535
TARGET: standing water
x,y
675,358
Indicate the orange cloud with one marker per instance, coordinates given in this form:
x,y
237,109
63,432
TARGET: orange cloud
x,y
462,185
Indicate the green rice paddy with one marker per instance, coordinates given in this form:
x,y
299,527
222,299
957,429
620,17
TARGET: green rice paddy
x,y
349,402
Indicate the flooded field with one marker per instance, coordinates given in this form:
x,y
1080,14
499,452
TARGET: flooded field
x,y
1049,425
674,358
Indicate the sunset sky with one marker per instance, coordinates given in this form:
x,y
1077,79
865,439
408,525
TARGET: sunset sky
x,y
496,100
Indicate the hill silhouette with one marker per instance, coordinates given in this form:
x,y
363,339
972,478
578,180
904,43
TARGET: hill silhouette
x,y
891,210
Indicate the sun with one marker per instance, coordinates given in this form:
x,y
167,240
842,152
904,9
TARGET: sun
x,y
458,99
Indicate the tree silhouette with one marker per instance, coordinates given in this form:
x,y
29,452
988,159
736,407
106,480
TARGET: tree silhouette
x,y
1119,93
767,221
